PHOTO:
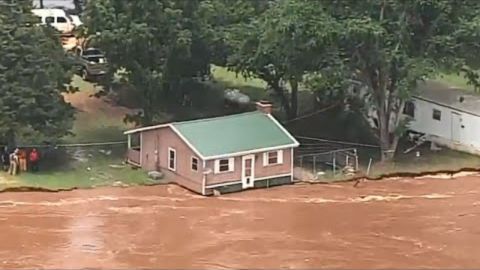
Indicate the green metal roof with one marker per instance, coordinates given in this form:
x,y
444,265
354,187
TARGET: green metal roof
x,y
234,133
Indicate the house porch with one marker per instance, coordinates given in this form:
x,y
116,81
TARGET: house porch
x,y
134,149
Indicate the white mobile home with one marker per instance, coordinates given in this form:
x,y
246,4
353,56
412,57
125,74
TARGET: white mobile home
x,y
447,116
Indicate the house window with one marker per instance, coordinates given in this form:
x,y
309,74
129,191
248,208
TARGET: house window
x,y
409,109
194,164
224,165
172,159
61,20
437,115
273,158
49,20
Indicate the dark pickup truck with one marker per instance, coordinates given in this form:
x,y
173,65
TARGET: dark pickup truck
x,y
90,62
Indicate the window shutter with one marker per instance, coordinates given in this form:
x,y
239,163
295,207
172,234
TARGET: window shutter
x,y
217,166
231,164
265,159
280,156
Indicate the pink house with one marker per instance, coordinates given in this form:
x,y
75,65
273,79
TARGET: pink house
x,y
227,154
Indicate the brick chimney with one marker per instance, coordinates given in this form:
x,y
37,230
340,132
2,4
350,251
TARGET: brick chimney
x,y
264,106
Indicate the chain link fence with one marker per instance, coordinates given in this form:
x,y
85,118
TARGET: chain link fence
x,y
318,159
63,157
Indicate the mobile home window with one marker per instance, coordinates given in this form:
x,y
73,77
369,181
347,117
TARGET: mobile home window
x,y
273,157
49,19
172,159
194,164
437,115
409,109
61,20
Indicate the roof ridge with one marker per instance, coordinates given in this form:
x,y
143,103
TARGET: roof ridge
x,y
214,118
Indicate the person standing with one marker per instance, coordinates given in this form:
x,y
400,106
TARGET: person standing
x,y
34,158
22,160
13,158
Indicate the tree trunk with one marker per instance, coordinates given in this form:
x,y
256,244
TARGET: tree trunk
x,y
388,140
41,4
280,91
293,99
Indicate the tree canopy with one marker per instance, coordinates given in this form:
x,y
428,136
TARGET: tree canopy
x,y
387,46
159,44
34,71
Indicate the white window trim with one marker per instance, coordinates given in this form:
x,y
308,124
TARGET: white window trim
x,y
231,165
191,163
174,159
279,158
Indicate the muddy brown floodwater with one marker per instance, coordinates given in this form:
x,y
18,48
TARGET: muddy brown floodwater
x,y
403,223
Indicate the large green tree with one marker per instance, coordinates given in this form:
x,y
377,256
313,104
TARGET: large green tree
x,y
280,47
34,71
390,46
159,44
387,46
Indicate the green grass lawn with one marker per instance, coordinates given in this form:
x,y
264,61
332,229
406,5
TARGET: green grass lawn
x,y
429,161
254,88
457,80
94,173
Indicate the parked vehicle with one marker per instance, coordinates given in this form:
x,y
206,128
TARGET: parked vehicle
x,y
90,62
75,20
58,19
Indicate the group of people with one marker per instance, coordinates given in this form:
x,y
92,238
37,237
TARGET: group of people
x,y
19,160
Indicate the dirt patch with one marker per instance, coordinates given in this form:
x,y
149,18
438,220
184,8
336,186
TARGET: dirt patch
x,y
86,103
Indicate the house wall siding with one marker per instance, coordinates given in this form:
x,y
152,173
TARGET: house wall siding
x,y
162,139
260,170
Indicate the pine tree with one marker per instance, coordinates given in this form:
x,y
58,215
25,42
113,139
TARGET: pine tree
x,y
34,71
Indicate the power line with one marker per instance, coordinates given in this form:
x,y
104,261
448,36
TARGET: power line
x,y
339,142
310,114
71,144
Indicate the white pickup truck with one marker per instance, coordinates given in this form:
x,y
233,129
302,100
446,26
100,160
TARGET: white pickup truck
x,y
58,19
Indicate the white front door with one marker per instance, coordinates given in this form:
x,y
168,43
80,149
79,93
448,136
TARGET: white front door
x,y
248,171
456,127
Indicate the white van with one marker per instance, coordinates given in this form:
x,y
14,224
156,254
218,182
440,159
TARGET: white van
x,y
57,18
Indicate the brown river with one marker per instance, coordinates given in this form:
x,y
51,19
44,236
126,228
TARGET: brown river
x,y
401,223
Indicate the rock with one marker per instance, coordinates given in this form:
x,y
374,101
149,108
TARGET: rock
x,y
235,96
105,152
155,175
80,155
216,193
